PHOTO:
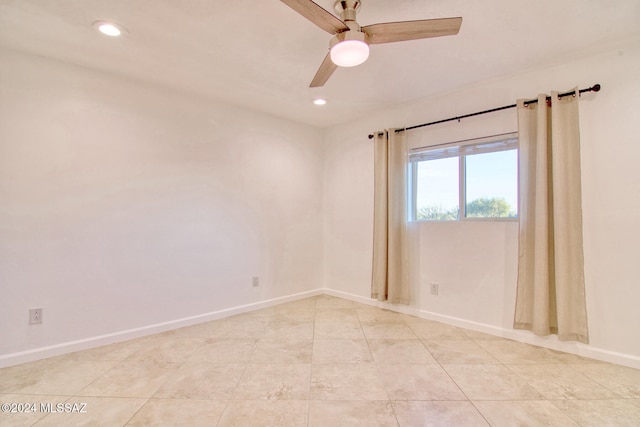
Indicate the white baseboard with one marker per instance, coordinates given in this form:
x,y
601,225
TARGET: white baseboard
x,y
521,336
97,341
550,342
404,309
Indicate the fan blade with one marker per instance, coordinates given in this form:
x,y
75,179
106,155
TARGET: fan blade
x,y
389,32
324,72
318,15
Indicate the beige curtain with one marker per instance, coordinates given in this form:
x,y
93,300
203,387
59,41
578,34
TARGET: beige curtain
x,y
550,294
391,274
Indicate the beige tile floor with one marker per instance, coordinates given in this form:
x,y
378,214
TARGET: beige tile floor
x,y
323,361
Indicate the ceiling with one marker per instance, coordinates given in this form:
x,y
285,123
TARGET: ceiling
x,y
262,55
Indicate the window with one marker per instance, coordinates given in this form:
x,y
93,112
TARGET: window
x,y
475,179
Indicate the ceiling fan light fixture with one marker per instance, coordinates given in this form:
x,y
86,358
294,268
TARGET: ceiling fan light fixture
x,y
349,53
350,43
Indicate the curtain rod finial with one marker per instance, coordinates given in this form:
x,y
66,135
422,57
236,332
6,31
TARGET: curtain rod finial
x,y
596,87
370,136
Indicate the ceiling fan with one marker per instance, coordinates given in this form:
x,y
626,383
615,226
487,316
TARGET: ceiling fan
x,y
350,43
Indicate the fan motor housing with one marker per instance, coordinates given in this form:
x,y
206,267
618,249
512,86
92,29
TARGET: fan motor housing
x,y
348,35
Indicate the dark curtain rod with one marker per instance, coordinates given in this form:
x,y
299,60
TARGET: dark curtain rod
x,y
594,88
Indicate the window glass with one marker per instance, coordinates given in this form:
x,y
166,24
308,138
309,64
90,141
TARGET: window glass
x,y
480,174
492,185
437,196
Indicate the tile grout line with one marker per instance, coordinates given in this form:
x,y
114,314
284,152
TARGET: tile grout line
x,y
380,375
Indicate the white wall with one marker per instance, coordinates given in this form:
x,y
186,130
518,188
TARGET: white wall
x,y
476,263
124,206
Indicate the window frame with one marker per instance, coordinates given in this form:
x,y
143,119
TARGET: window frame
x,y
484,145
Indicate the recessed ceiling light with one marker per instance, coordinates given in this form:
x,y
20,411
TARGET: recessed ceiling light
x,y
320,101
109,28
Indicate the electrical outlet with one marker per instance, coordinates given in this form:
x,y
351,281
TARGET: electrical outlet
x,y
434,289
35,316
256,281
